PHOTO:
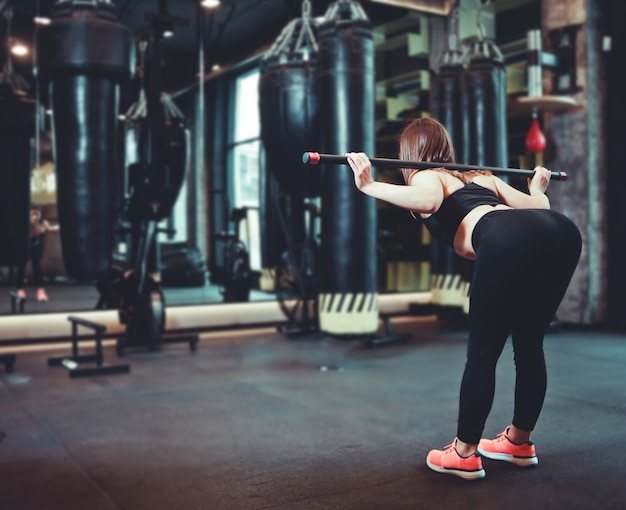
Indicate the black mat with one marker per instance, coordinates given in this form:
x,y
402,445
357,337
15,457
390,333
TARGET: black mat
x,y
256,421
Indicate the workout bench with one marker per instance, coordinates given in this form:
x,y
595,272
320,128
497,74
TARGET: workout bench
x,y
16,300
72,362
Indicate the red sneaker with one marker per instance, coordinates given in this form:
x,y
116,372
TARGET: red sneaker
x,y
503,448
450,462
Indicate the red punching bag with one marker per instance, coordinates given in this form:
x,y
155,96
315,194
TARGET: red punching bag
x,y
535,139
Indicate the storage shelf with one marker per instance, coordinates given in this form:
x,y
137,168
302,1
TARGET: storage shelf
x,y
415,44
394,43
420,74
505,5
410,22
525,105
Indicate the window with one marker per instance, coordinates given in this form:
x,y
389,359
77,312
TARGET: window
x,y
244,160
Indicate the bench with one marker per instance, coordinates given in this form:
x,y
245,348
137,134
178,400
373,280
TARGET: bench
x,y
16,300
72,363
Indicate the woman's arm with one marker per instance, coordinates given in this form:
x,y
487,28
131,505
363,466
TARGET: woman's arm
x,y
537,186
423,195
47,227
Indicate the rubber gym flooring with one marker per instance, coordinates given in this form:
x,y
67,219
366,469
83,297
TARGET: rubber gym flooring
x,y
256,420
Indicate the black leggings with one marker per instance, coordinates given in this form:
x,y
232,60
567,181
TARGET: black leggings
x,y
36,251
525,259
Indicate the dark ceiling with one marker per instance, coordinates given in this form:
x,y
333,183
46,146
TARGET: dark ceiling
x,y
234,31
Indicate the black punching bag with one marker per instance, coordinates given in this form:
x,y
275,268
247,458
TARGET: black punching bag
x,y
348,299
447,105
289,124
289,121
288,110
17,127
486,106
84,55
485,86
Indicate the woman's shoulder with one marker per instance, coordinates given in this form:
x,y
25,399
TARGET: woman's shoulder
x,y
419,177
451,182
486,181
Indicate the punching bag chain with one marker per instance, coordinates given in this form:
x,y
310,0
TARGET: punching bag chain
x,y
345,10
452,55
482,47
139,109
285,46
306,27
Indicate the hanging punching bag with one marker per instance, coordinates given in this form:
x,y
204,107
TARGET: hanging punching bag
x,y
348,299
486,106
17,126
289,121
288,109
447,105
84,55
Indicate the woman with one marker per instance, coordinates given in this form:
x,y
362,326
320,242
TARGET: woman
x,y
38,227
524,256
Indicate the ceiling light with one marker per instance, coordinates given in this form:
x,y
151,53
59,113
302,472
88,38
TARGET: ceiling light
x,y
18,49
210,4
40,20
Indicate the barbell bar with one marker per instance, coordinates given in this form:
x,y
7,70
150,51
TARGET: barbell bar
x,y
315,158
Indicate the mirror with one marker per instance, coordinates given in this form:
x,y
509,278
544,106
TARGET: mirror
x,y
217,213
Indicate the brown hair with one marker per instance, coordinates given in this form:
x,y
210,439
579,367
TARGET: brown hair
x,y
428,140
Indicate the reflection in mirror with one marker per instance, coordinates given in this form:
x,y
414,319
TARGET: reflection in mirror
x,y
210,247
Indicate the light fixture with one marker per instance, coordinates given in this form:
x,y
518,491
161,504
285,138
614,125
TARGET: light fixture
x,y
210,4
19,49
41,20
168,34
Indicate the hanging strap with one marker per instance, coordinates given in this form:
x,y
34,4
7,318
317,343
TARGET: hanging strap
x,y
297,37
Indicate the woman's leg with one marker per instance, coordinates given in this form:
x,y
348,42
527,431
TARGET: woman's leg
x,y
558,246
36,252
525,259
490,322
21,273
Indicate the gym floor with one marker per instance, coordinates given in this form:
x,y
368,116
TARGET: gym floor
x,y
256,420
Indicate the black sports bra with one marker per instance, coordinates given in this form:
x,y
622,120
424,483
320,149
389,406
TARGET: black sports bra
x,y
445,222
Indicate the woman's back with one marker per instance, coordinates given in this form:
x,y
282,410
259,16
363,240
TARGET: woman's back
x,y
466,199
